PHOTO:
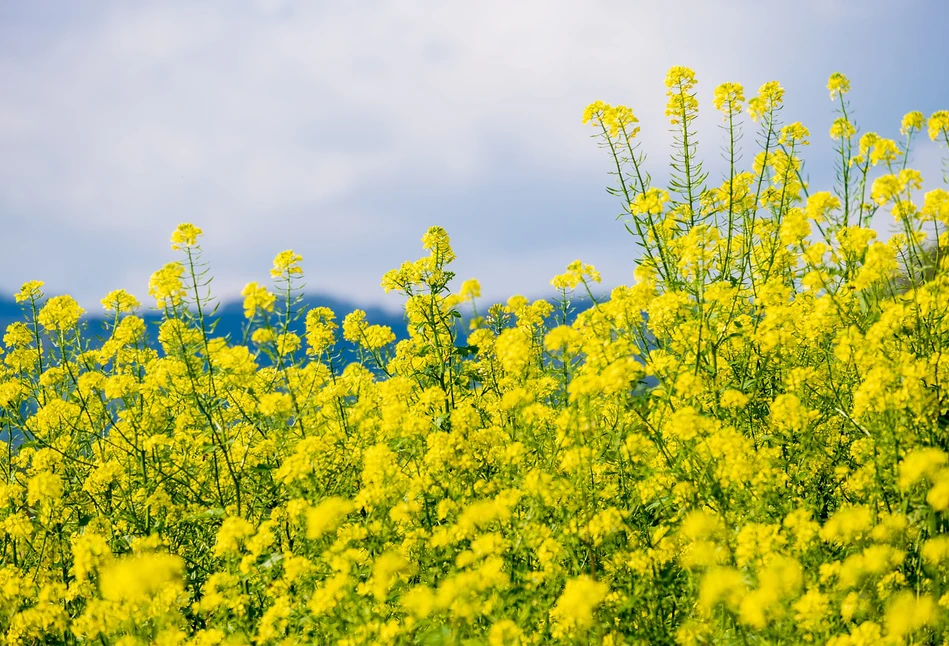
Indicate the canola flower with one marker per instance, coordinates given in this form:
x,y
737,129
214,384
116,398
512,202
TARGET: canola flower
x,y
747,445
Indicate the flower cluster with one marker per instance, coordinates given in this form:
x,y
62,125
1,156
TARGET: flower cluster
x,y
748,445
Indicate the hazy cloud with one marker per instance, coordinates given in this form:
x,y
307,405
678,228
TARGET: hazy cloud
x,y
343,130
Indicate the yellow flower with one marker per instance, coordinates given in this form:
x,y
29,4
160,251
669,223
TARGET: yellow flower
x,y
287,344
186,235
936,206
470,289
649,203
842,129
437,241
619,118
879,264
573,612
811,609
732,398
60,313
142,576
166,286
257,297
722,585
594,112
908,613
912,121
938,495
576,273
728,98
682,102
30,291
854,240
770,97
847,525
230,535
44,487
700,524
326,516
939,124
371,337
101,479
885,188
119,301
910,179
935,551
320,329
820,205
90,550
263,336
679,76
884,150
794,133
419,601
387,569
407,276
17,334
18,525
838,84
504,633
788,413
867,141
562,337
354,324
287,264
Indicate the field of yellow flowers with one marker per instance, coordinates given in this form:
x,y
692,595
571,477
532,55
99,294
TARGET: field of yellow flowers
x,y
748,446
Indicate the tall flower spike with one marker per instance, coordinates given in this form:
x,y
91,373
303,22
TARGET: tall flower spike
x,y
186,235
287,262
838,84
680,81
770,96
728,99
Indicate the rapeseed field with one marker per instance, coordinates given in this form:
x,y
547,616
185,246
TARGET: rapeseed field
x,y
749,445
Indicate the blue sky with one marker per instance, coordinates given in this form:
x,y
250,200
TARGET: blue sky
x,y
343,130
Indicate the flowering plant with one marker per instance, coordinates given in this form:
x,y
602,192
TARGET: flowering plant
x,y
747,445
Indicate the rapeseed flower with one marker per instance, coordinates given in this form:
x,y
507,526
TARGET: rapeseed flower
x,y
60,313
938,124
30,291
257,297
166,285
186,235
287,264
838,84
573,612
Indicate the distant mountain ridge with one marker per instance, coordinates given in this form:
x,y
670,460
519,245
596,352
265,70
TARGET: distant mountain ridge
x,y
229,316
230,320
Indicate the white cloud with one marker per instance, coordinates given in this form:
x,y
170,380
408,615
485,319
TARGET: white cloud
x,y
345,129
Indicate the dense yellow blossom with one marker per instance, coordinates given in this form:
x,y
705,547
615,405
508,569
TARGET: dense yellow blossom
x,y
257,297
770,97
912,121
728,98
680,82
573,612
186,235
747,445
939,125
60,313
286,264
166,285
30,290
120,302
842,128
838,84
